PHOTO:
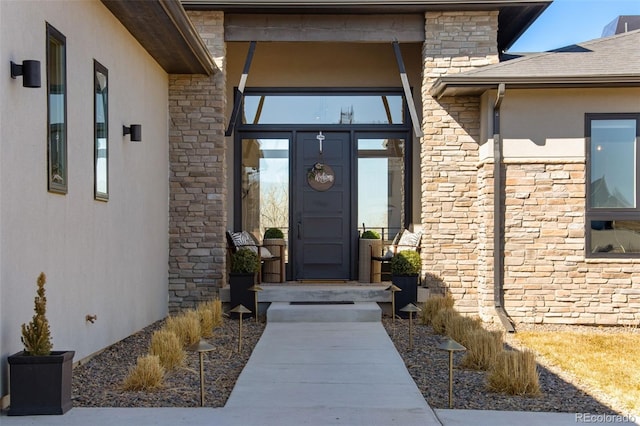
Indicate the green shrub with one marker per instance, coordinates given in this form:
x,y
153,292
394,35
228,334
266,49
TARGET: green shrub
x,y
245,261
273,233
406,263
36,335
370,235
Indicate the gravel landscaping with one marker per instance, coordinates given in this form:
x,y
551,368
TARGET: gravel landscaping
x,y
97,383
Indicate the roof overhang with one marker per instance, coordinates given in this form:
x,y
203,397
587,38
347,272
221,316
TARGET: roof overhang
x,y
164,30
515,16
466,86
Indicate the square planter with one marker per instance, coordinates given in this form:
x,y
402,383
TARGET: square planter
x,y
40,384
239,293
408,285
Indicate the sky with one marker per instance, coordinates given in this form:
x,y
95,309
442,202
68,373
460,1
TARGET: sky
x,y
566,22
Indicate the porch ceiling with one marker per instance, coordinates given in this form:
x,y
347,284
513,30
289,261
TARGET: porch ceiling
x,y
164,30
514,18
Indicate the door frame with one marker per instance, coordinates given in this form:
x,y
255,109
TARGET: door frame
x,y
289,131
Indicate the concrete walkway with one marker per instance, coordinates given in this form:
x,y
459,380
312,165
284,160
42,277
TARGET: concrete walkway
x,y
313,374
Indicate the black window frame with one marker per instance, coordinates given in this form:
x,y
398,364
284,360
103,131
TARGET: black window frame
x,y
99,68
53,185
609,214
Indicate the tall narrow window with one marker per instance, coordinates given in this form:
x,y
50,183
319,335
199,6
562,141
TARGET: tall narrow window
x,y
265,184
101,132
613,211
57,110
381,186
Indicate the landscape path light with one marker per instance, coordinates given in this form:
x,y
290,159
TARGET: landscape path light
x,y
255,289
411,308
240,309
451,346
201,347
393,288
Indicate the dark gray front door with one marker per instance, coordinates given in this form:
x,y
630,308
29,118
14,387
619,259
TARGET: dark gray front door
x,y
322,219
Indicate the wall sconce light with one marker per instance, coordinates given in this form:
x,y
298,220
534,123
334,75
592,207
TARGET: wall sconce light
x,y
135,130
30,72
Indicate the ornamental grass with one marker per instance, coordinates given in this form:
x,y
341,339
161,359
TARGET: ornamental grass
x,y
147,374
166,345
514,373
210,314
432,306
186,326
483,347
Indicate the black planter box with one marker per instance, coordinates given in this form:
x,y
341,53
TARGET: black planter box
x,y
240,294
409,294
40,384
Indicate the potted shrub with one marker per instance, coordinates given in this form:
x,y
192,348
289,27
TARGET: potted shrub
x,y
274,242
370,244
244,266
405,269
40,379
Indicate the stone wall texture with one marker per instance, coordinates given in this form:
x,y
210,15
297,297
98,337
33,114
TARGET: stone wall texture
x,y
547,276
455,42
198,188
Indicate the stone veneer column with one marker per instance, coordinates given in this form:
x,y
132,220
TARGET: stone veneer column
x,y
198,188
455,42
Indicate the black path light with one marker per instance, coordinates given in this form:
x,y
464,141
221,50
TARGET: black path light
x,y
411,308
240,309
451,346
201,347
255,289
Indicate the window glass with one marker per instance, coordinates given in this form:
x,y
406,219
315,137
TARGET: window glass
x,y
615,236
101,140
613,214
265,185
381,197
323,109
613,164
57,110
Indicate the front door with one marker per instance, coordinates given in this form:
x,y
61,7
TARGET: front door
x,y
321,221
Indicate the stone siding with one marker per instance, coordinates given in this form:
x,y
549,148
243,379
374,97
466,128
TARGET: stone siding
x,y
455,42
547,277
197,180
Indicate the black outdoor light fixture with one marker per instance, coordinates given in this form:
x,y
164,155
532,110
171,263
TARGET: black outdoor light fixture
x,y
135,130
30,72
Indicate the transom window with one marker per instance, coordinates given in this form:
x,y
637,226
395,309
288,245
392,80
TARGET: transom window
x,y
330,108
613,189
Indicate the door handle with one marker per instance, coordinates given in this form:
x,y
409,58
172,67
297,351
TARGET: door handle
x,y
299,230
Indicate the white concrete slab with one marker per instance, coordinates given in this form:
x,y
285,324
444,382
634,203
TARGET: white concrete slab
x,y
351,312
527,418
330,366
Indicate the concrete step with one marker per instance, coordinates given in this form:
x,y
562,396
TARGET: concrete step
x,y
324,312
325,293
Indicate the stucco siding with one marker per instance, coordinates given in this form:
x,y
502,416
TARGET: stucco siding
x,y
102,258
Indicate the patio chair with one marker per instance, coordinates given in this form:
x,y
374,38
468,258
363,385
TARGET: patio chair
x,y
243,239
405,240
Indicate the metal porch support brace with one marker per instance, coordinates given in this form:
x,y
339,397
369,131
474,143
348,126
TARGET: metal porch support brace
x,y
237,102
417,128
